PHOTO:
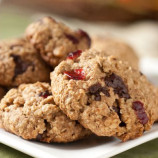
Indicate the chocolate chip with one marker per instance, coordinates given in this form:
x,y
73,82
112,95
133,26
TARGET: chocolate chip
x,y
20,65
105,91
72,38
97,97
118,85
84,34
122,124
96,89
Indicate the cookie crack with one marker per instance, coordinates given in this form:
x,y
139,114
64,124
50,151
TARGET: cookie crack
x,y
117,109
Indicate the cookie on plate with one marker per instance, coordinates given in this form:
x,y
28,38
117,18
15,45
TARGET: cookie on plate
x,y
105,95
29,111
54,40
20,63
118,48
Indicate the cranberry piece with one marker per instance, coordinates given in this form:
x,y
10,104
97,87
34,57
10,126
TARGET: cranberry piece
x,y
77,74
118,85
44,94
84,34
140,112
74,55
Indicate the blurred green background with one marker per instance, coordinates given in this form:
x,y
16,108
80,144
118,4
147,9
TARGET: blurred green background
x,y
12,22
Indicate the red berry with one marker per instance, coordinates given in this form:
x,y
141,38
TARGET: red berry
x,y
140,112
77,74
74,55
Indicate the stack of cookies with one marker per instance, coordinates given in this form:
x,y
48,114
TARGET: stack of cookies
x,y
57,86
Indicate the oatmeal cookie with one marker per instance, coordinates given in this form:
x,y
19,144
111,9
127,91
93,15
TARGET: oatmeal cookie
x,y
118,48
29,111
20,63
54,40
105,95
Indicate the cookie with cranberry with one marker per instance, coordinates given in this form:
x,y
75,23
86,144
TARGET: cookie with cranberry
x,y
54,40
118,48
29,111
105,95
20,63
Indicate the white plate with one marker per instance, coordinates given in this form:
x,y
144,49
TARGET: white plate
x,y
93,147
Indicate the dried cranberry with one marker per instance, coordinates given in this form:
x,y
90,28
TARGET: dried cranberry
x,y
45,94
77,74
85,35
140,112
118,85
74,55
72,38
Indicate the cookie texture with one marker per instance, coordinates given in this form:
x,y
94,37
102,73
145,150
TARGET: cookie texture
x,y
29,111
118,48
156,98
105,95
20,63
54,40
2,93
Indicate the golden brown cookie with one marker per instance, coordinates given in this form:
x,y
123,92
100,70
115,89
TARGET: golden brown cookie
x,y
54,40
29,111
105,95
118,48
20,63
